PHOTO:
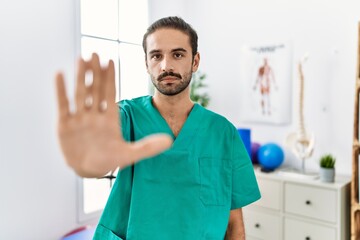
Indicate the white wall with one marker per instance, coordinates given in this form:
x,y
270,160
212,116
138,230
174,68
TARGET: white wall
x,y
325,29
38,191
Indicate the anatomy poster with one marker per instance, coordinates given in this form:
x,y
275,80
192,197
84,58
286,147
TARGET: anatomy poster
x,y
266,76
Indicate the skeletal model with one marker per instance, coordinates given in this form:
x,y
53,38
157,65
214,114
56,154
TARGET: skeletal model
x,y
301,142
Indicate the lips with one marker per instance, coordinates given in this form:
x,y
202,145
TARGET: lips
x,y
169,79
169,76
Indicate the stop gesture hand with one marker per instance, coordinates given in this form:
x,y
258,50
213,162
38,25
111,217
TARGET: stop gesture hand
x,y
90,137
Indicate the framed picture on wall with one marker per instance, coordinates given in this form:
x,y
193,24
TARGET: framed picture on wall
x,y
266,89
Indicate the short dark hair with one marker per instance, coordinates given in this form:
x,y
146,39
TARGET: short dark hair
x,y
174,23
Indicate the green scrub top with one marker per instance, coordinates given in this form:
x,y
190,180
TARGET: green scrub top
x,y
186,192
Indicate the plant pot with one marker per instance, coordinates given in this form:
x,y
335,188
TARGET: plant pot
x,y
327,175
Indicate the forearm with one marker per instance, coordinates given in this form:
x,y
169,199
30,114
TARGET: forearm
x,y
235,233
235,229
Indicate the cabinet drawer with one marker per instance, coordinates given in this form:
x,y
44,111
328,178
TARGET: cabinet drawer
x,y
270,194
262,225
299,230
311,202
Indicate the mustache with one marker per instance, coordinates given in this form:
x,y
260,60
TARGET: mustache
x,y
166,74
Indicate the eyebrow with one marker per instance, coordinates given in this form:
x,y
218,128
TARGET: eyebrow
x,y
154,51
173,50
179,50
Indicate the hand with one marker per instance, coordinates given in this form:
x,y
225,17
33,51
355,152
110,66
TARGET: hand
x,y
90,137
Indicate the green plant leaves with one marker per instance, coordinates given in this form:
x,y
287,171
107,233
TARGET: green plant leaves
x,y
196,89
327,161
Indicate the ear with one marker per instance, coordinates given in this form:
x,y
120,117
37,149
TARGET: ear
x,y
146,64
196,62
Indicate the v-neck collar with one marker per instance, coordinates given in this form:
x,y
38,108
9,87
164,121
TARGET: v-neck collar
x,y
189,127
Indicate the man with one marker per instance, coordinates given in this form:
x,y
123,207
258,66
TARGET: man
x,y
195,189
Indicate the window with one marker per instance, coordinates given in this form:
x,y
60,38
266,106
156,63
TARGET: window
x,y
114,30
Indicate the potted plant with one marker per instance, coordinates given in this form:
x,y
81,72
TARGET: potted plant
x,y
197,93
327,168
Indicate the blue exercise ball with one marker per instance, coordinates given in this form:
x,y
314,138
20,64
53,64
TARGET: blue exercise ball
x,y
270,156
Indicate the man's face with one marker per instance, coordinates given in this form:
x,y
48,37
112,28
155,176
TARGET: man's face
x,y
169,61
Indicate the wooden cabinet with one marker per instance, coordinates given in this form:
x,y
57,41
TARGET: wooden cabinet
x,y
299,209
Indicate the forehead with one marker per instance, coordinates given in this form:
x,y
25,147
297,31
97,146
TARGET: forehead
x,y
166,39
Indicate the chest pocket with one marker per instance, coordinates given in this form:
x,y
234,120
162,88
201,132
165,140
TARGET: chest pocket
x,y
215,181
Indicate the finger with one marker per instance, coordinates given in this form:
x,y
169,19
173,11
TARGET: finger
x,y
80,93
63,102
97,77
110,91
110,88
147,147
102,88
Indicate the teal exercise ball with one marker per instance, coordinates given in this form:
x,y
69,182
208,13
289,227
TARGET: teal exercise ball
x,y
270,156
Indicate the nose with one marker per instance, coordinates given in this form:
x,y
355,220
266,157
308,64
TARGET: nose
x,y
167,65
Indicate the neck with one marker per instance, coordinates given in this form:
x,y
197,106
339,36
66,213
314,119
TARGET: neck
x,y
174,109
177,106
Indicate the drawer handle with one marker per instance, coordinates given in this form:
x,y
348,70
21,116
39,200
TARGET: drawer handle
x,y
257,225
308,202
307,238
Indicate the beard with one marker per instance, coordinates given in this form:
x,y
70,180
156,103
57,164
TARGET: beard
x,y
174,88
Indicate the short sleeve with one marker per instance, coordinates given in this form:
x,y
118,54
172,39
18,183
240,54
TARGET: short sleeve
x,y
245,189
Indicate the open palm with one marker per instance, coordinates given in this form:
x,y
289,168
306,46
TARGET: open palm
x,y
90,137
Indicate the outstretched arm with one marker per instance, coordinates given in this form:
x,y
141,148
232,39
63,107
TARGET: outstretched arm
x,y
90,138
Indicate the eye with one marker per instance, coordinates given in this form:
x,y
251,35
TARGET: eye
x,y
178,55
156,56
